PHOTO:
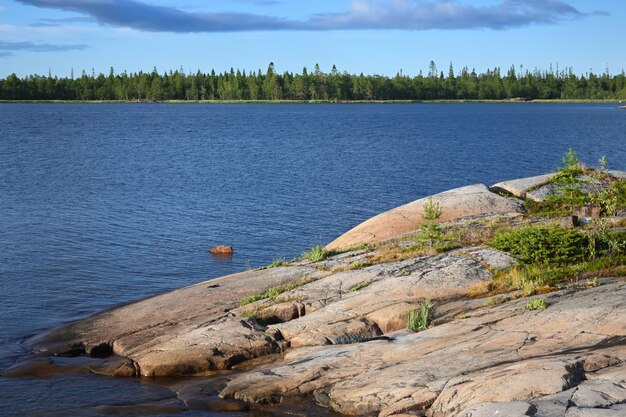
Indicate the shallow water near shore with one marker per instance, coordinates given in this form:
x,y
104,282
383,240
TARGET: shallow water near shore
x,y
106,203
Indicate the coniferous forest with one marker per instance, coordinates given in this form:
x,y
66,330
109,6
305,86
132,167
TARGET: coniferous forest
x,y
318,85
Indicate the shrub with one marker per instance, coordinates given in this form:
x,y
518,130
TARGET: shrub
x,y
419,318
539,244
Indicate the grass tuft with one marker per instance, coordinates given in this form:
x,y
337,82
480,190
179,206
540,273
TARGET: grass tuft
x,y
537,304
419,318
316,254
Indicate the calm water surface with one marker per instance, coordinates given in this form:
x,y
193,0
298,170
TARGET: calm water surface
x,y
102,204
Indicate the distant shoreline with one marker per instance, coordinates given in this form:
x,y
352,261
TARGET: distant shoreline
x,y
504,101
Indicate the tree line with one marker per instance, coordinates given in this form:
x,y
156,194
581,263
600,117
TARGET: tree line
x,y
318,85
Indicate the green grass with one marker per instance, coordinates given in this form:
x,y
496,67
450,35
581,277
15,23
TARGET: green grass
x,y
419,318
248,314
537,304
357,265
533,279
316,254
276,263
274,292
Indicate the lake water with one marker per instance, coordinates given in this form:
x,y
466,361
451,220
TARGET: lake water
x,y
105,203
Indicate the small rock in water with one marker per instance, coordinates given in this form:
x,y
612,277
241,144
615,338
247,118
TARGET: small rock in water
x,y
222,250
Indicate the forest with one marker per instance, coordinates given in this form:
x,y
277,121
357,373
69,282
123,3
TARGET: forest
x,y
517,83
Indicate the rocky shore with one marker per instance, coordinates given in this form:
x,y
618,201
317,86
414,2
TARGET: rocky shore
x,y
334,330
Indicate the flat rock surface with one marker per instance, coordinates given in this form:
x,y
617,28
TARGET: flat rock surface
x,y
499,358
189,331
520,187
468,201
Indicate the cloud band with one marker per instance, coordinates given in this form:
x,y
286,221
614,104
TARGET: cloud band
x,y
363,14
7,48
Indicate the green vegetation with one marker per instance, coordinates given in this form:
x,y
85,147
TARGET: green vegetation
x,y
610,193
316,86
551,255
498,299
542,244
391,252
419,318
316,254
276,263
248,314
358,286
534,279
571,164
357,265
537,304
431,231
567,177
274,292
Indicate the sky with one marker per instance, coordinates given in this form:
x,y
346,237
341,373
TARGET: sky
x,y
370,36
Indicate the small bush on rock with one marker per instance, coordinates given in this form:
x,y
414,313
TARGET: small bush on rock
x,y
540,244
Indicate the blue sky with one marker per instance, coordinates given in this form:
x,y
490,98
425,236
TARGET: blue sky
x,y
370,36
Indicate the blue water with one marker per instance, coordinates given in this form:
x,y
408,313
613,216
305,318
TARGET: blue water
x,y
102,204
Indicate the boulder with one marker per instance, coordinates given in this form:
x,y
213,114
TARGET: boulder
x,y
617,174
283,312
468,201
600,393
222,250
520,187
